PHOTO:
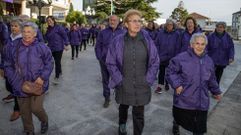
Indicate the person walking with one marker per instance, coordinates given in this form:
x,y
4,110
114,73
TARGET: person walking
x,y
102,44
15,36
168,45
190,28
29,60
191,75
57,41
75,38
132,61
221,49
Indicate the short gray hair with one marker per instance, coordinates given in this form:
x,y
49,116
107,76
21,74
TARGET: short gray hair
x,y
18,21
198,35
221,23
170,21
32,25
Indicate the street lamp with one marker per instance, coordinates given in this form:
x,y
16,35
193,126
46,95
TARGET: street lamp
x,y
89,12
40,4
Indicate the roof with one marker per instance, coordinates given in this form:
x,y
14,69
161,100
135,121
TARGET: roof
x,y
239,12
198,16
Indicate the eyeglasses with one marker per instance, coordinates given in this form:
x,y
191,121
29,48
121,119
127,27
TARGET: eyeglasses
x,y
136,21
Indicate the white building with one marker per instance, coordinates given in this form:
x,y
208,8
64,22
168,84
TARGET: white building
x,y
236,25
201,19
58,8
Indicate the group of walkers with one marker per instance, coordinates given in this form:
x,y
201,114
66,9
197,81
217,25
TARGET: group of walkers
x,y
130,58
192,63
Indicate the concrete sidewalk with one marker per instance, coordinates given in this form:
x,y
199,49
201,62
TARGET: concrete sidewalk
x,y
225,118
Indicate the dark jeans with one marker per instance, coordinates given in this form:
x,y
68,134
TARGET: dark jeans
x,y
9,88
105,79
84,42
161,75
137,114
93,41
76,49
219,72
57,59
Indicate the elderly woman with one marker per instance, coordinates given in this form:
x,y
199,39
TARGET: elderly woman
x,y
75,38
221,49
133,62
168,45
57,39
29,60
15,36
191,28
191,75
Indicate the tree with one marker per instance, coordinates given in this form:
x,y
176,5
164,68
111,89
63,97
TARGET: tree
x,y
71,7
75,16
121,6
1,9
179,13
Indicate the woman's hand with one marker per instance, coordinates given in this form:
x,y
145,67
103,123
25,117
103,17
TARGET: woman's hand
x,y
39,81
217,97
179,90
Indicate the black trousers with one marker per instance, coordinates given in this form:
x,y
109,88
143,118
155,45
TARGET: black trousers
x,y
161,75
93,41
9,88
76,49
84,42
137,114
105,80
57,59
219,72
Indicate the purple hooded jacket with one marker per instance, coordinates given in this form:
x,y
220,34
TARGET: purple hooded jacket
x,y
114,60
56,37
185,39
75,37
103,41
196,75
220,49
27,63
168,45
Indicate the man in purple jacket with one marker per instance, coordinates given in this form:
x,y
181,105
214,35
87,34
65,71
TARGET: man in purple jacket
x,y
102,44
221,49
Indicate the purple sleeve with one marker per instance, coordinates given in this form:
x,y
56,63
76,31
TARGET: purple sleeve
x,y
111,63
48,63
98,46
172,73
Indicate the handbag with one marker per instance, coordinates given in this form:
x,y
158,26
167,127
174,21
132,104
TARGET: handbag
x,y
32,88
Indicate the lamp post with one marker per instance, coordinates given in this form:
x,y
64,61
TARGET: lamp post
x,y
89,12
40,4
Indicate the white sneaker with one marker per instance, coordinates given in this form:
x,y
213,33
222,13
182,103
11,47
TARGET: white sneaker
x,y
55,81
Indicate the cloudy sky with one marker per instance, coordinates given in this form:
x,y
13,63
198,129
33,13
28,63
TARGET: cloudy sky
x,y
217,10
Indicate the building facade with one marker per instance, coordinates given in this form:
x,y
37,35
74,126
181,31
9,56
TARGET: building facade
x,y
236,25
58,8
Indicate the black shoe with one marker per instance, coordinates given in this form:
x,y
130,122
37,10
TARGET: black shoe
x,y
72,58
122,129
44,127
175,129
106,103
166,87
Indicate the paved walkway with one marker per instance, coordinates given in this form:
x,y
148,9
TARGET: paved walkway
x,y
75,106
225,118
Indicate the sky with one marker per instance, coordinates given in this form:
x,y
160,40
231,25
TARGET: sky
x,y
217,10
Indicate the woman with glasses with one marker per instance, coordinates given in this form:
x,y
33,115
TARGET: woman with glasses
x,y
132,62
